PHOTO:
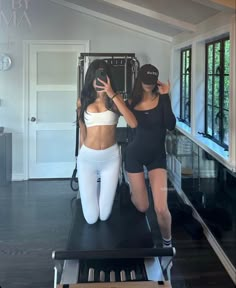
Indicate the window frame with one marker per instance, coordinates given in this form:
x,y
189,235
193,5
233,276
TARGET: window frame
x,y
221,76
183,78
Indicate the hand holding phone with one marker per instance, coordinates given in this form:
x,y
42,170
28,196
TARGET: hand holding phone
x,y
101,74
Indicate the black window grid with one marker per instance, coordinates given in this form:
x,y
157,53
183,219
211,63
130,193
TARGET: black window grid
x,y
216,115
185,85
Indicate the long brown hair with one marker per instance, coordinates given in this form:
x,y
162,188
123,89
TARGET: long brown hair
x,y
88,93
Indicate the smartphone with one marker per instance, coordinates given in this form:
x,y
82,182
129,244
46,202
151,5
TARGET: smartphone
x,y
101,74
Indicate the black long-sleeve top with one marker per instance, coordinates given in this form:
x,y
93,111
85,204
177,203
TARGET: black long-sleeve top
x,y
150,133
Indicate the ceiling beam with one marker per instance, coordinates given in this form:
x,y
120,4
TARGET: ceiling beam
x,y
227,3
221,5
114,20
185,26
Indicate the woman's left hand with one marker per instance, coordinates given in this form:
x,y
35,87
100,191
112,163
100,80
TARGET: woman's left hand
x,y
163,87
106,86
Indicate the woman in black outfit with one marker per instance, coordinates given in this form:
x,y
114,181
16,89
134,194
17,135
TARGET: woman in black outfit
x,y
150,103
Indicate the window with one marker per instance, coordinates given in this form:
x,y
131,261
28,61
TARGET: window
x,y
217,91
185,86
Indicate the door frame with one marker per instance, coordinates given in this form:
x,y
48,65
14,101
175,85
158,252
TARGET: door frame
x,y
26,85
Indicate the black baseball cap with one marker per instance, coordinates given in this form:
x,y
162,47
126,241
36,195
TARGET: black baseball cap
x,y
149,74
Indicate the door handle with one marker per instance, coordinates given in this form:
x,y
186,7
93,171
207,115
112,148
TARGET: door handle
x,y
33,119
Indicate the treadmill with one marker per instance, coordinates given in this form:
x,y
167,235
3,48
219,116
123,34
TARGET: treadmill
x,y
118,252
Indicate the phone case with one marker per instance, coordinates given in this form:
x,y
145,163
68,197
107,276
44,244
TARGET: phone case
x,y
101,74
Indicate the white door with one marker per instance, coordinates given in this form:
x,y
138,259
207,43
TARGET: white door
x,y
52,108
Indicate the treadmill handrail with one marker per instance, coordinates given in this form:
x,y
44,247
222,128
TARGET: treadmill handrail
x,y
114,253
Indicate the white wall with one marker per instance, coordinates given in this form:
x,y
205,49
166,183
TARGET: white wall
x,y
43,20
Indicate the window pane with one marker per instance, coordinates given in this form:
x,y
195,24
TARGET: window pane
x,y
227,57
209,120
217,58
216,93
187,59
226,127
209,90
187,110
226,93
210,58
183,63
188,82
216,114
187,86
183,108
183,88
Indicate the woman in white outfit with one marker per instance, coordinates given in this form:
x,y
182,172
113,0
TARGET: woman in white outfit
x,y
99,108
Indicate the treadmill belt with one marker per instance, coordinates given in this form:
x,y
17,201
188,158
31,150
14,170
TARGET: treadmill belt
x,y
126,228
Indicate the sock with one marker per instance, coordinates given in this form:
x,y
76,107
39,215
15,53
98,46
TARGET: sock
x,y
166,242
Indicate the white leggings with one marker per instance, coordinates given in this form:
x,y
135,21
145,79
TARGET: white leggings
x,y
97,200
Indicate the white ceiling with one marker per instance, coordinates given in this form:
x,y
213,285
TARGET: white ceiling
x,y
159,18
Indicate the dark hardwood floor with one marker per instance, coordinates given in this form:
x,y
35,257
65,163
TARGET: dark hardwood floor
x,y
35,218
216,203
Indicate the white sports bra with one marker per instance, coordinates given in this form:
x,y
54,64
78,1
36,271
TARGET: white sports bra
x,y
100,118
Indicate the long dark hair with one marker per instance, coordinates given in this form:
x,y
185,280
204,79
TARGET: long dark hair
x,y
88,93
137,92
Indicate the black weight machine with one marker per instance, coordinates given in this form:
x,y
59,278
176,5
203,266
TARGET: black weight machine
x,y
118,252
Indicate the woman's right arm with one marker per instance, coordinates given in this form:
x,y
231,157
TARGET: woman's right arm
x,y
82,127
125,111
